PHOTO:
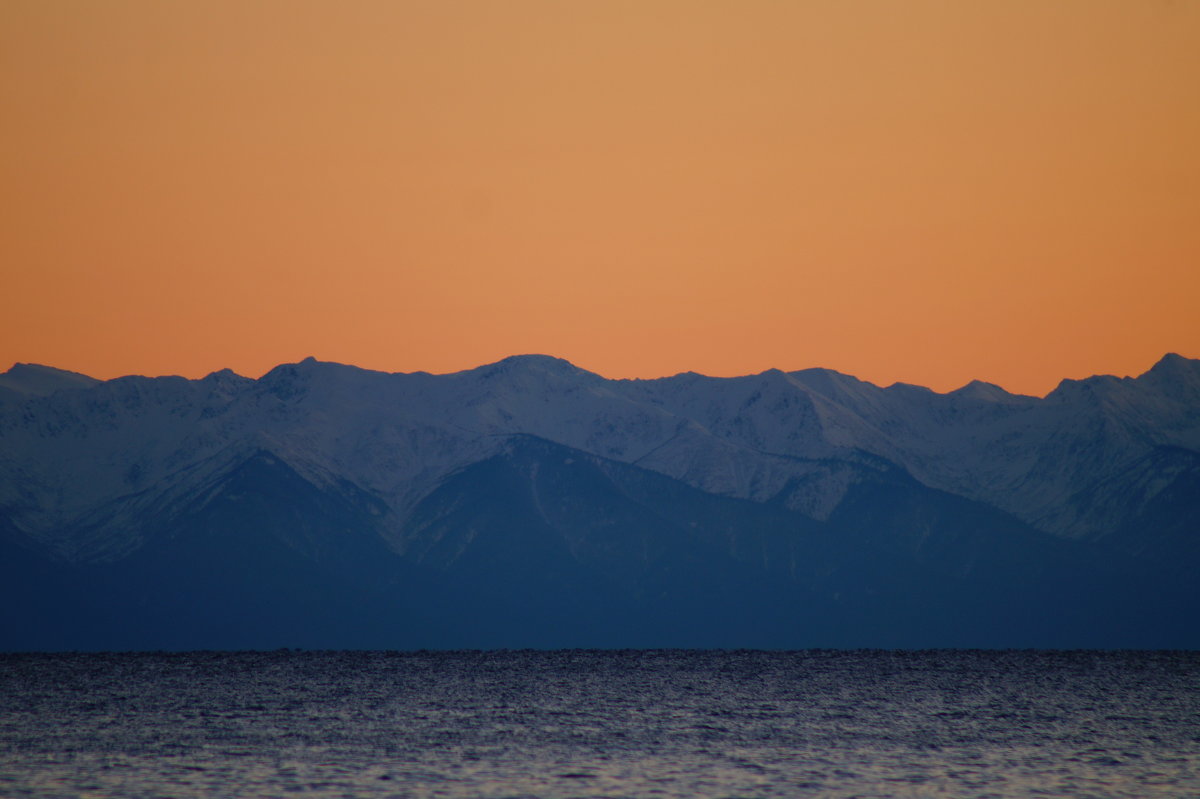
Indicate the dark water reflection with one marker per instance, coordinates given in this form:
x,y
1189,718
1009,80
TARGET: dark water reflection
x,y
575,723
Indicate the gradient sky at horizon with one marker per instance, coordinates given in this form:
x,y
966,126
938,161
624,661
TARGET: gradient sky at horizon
x,y
922,191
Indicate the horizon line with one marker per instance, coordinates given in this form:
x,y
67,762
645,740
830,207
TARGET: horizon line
x,y
531,356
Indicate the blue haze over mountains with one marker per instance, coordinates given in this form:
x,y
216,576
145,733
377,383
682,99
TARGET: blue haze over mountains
x,y
530,503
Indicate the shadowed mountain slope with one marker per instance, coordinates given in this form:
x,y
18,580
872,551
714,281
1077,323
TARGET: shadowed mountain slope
x,y
532,503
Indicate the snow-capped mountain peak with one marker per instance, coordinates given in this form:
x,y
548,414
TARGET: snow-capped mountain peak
x,y
69,456
35,380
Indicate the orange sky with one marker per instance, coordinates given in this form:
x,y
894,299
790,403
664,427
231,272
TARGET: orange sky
x,y
917,191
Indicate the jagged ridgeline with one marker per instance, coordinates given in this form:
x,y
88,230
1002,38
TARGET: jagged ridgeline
x,y
530,503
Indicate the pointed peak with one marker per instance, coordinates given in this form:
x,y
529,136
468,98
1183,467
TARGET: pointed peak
x,y
982,390
771,377
225,379
223,374
1173,376
288,380
1173,363
1092,388
306,366
36,380
31,369
911,388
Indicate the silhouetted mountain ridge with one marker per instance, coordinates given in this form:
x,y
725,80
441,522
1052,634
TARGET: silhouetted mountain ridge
x,y
533,503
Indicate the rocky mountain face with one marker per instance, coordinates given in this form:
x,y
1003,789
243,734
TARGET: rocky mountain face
x,y
532,503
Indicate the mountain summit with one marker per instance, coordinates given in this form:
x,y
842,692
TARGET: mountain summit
x,y
533,503
31,379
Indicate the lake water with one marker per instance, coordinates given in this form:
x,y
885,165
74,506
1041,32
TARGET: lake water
x,y
601,723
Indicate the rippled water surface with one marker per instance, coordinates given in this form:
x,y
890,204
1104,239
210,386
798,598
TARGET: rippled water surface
x,y
575,723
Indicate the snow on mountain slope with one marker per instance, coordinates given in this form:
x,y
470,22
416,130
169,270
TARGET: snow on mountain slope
x,y
1022,454
25,380
79,468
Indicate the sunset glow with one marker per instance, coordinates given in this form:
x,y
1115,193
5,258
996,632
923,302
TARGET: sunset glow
x,y
927,192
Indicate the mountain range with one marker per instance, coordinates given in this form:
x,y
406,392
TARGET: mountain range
x,y
531,503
